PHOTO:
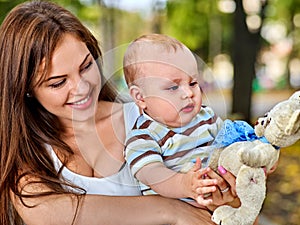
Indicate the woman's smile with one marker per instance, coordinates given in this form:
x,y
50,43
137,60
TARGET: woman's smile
x,y
83,103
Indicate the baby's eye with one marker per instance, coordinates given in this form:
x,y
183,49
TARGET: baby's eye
x,y
173,88
194,84
58,84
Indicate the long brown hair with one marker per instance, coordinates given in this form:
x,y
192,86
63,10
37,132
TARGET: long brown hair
x,y
28,35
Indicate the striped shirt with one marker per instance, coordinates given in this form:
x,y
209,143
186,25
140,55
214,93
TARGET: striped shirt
x,y
178,148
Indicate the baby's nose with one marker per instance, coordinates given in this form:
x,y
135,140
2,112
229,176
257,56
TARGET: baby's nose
x,y
187,92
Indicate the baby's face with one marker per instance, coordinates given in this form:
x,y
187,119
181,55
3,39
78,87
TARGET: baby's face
x,y
170,88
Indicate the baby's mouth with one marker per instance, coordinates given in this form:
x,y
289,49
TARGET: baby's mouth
x,y
188,108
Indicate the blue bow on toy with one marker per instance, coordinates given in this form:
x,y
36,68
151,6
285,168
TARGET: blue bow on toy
x,y
235,131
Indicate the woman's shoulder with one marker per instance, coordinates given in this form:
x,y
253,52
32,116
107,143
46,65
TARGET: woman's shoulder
x,y
107,109
119,113
114,107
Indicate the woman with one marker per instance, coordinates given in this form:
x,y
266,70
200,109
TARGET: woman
x,y
56,126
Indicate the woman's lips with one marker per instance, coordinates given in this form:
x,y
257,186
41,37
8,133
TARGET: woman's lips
x,y
83,103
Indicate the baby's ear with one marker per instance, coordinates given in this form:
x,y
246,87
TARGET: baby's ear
x,y
137,95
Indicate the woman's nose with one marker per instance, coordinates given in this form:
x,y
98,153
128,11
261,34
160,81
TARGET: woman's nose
x,y
80,86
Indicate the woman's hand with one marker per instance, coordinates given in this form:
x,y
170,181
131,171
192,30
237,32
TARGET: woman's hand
x,y
272,170
226,191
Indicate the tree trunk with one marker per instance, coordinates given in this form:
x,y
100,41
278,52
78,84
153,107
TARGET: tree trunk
x,y
245,48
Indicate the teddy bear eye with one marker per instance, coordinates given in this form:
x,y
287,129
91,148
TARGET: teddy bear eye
x,y
262,122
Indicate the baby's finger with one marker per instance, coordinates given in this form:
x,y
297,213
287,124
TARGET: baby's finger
x,y
206,190
204,201
204,171
198,165
206,182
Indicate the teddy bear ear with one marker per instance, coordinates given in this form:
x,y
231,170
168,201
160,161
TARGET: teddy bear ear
x,y
293,123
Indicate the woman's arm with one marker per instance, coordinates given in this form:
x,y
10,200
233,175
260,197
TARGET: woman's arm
x,y
96,209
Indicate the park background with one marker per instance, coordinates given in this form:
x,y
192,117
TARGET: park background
x,y
250,56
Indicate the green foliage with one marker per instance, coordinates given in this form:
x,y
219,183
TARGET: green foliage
x,y
283,11
90,13
6,6
198,23
187,21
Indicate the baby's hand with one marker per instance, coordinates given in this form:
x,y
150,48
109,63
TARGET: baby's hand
x,y
198,185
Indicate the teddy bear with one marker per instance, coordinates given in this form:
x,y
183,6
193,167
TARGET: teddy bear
x,y
250,151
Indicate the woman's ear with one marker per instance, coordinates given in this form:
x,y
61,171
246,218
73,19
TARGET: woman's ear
x,y
138,96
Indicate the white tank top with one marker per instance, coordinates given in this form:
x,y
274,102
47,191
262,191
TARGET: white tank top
x,y
119,184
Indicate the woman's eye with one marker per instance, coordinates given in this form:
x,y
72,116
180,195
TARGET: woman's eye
x,y
58,84
87,66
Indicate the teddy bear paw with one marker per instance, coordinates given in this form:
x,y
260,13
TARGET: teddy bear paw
x,y
223,215
226,215
251,185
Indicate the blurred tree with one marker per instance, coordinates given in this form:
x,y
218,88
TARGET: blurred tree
x,y
158,16
107,24
287,13
246,45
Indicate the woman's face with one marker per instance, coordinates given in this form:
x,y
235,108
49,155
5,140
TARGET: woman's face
x,y
70,91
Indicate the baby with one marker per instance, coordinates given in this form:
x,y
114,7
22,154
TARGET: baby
x,y
172,137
